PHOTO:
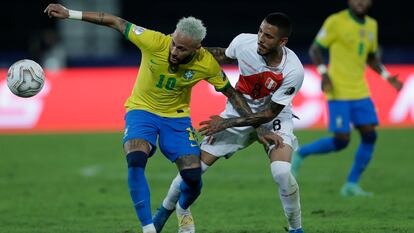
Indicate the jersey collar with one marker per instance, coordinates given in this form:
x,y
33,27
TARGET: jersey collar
x,y
282,63
356,19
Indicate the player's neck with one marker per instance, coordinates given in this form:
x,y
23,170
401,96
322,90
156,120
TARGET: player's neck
x,y
173,68
274,59
188,59
360,18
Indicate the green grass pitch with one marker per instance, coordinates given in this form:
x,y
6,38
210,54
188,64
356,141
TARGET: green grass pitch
x,y
76,183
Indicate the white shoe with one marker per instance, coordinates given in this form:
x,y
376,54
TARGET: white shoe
x,y
185,220
149,229
154,231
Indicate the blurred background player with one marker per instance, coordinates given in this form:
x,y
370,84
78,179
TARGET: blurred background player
x,y
351,37
159,105
270,76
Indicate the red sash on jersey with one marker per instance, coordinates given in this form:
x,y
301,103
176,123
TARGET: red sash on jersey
x,y
259,85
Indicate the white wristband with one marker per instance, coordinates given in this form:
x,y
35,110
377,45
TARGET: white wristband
x,y
322,69
75,14
385,74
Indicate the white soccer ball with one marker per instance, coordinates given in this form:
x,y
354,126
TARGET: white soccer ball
x,y
25,78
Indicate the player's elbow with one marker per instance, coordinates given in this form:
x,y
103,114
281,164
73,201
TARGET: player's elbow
x,y
268,116
313,51
310,52
117,23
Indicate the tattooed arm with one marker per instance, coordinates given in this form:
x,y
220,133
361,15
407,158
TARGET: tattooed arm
x,y
238,101
220,55
100,18
265,136
217,123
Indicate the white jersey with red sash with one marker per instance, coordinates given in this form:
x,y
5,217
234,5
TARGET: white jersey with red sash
x,y
261,83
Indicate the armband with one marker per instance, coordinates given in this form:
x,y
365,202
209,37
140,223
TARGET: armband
x,y
75,14
385,74
322,69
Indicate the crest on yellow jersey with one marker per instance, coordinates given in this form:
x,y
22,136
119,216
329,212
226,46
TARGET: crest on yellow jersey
x,y
188,74
362,33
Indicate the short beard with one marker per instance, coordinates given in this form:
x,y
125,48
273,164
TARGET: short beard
x,y
262,54
172,67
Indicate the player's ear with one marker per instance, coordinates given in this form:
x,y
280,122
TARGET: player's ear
x,y
283,41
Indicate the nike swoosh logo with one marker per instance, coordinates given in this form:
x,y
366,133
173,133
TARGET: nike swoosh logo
x,y
153,62
194,145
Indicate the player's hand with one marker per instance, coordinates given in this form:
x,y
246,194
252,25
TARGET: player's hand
x,y
268,138
57,11
397,84
214,125
326,84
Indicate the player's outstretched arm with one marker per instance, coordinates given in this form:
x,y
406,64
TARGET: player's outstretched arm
x,y
100,18
237,100
220,55
375,63
266,137
216,123
316,55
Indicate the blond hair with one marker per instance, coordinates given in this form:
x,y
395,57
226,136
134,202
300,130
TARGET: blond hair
x,y
192,27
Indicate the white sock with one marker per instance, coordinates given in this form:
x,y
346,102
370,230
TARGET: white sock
x,y
180,210
149,229
288,192
204,167
174,192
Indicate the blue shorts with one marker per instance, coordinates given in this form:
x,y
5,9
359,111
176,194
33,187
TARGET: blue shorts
x,y
176,136
344,112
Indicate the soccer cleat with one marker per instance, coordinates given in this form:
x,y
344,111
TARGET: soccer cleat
x,y
149,231
160,217
300,230
297,162
185,220
354,190
149,228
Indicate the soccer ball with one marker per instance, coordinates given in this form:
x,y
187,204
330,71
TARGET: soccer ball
x,y
25,78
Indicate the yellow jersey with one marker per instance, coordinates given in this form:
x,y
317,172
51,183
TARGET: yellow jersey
x,y
349,41
159,91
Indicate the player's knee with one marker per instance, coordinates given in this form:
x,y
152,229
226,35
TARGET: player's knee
x,y
137,159
340,143
280,171
283,177
369,137
192,177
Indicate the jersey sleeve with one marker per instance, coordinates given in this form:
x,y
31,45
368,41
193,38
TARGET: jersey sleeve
x,y
219,80
143,38
290,86
374,38
231,49
327,33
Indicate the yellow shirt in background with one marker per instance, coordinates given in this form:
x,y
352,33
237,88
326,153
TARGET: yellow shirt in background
x,y
349,41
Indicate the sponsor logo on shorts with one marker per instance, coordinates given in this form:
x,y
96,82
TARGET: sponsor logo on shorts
x,y
126,132
338,122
